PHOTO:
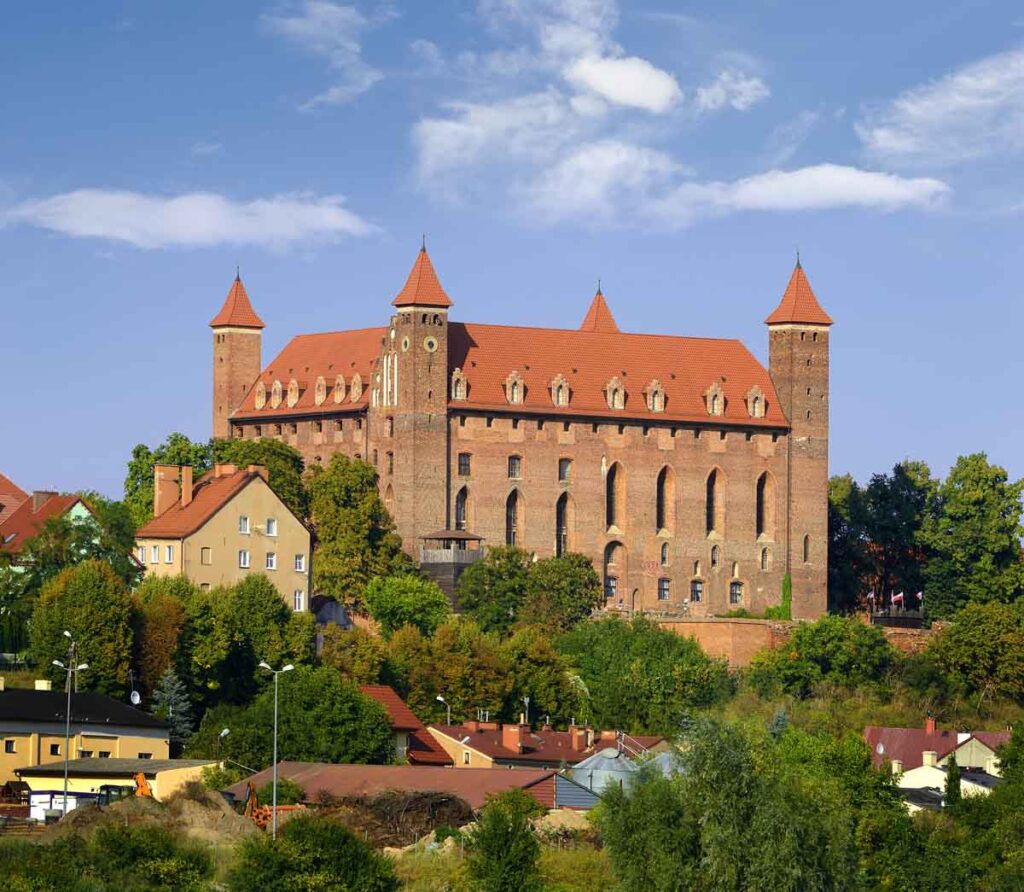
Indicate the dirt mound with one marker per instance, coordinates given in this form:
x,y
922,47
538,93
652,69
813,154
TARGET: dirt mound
x,y
397,819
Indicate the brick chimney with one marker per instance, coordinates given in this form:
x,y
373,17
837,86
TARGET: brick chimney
x,y
165,487
471,725
224,470
897,766
40,497
929,725
609,737
186,485
512,737
261,470
578,738
929,758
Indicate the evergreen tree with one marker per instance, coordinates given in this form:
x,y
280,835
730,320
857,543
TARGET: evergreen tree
x,y
171,703
504,851
953,794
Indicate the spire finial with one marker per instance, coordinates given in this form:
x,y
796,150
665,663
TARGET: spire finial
x,y
798,259
238,273
423,243
599,285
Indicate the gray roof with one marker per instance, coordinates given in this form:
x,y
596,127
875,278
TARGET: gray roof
x,y
87,708
119,767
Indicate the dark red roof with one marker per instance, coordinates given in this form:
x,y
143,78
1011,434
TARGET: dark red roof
x,y
237,311
11,496
472,785
423,749
209,494
422,288
599,317
908,744
26,521
798,304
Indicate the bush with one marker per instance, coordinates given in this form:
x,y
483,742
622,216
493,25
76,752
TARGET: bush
x,y
288,792
503,850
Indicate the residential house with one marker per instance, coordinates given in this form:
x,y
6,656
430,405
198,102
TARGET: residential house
x,y
32,728
222,527
11,497
27,519
483,744
413,743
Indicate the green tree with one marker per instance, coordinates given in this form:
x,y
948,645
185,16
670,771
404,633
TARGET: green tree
x,y
974,538
407,600
322,718
158,619
177,449
492,590
91,602
953,793
284,465
310,853
355,536
847,549
503,851
561,591
539,672
288,792
172,705
359,657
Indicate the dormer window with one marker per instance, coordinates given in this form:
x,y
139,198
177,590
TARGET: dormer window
x,y
714,399
275,395
339,388
320,391
655,396
515,389
460,386
560,391
261,395
293,392
356,389
756,404
615,394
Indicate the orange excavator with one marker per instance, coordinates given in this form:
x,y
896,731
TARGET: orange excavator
x,y
142,787
262,815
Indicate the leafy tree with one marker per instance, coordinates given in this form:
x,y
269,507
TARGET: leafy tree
x,y
953,792
288,792
493,590
539,672
561,591
171,703
321,719
407,600
91,602
974,538
284,466
503,851
357,655
641,678
177,449
159,617
311,852
847,549
355,536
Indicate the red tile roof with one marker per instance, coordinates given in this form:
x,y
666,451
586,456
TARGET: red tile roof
x,y
993,739
599,317
26,521
209,495
11,496
423,749
472,785
907,745
422,288
798,304
237,311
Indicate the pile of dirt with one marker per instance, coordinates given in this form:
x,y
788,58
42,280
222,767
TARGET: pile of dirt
x,y
397,819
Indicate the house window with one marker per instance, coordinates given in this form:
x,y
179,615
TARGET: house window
x,y
243,525
515,467
318,427
714,557
611,586
204,586
145,755
271,560
765,557
563,521
735,592
461,506
375,458
258,430
464,464
9,746
664,554
664,588
206,556
243,559
85,754
465,757
168,554
697,590
615,495
389,463
154,554
104,754
298,600
512,518
271,526
142,554
389,426
54,749
564,470
300,563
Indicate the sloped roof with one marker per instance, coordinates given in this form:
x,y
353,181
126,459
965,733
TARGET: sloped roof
x,y
87,708
422,288
26,521
599,317
993,739
423,749
11,496
798,304
209,495
908,744
473,785
111,767
237,310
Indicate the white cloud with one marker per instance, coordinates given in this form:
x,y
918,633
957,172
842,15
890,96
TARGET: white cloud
x,y
787,138
202,149
333,31
973,113
732,88
192,220
629,81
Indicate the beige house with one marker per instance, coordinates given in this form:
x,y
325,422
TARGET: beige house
x,y
224,526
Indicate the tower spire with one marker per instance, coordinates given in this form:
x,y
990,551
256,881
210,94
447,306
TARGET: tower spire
x,y
798,304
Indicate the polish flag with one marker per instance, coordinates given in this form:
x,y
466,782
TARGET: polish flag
x,y
897,599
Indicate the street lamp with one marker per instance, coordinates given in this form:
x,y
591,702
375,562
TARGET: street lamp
x,y
276,672
70,667
447,706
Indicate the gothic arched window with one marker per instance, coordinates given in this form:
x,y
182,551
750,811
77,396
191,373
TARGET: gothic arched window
x,y
615,496
512,533
765,506
665,500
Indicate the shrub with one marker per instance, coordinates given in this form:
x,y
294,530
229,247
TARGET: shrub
x,y
503,850
288,792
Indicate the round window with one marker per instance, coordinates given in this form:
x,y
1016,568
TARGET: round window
x,y
430,344
405,344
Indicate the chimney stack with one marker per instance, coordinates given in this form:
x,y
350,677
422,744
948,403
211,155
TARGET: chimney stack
x,y
224,470
260,470
40,497
929,758
512,737
186,485
897,767
929,725
165,487
577,738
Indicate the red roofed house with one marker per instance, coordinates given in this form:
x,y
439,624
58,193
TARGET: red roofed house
x,y
222,527
11,497
695,477
413,743
28,518
909,748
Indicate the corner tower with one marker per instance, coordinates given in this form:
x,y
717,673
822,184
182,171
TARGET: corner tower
x,y
798,361
237,347
410,402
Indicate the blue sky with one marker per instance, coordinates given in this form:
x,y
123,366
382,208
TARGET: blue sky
x,y
681,151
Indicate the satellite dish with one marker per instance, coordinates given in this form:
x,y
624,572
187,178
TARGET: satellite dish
x,y
136,698
880,749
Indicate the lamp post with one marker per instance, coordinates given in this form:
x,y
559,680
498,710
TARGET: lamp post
x,y
70,668
276,672
447,706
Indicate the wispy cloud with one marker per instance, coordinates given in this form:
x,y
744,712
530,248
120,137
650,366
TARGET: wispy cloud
x,y
332,31
973,113
787,138
628,81
191,220
732,88
203,149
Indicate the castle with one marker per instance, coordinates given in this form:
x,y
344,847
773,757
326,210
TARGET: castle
x,y
694,478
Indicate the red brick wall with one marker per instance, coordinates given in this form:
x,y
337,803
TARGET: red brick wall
x,y
236,365
737,640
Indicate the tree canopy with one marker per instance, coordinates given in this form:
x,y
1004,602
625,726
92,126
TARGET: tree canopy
x,y
406,600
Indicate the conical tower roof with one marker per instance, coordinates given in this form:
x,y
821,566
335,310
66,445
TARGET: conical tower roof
x,y
798,304
237,312
599,317
422,288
